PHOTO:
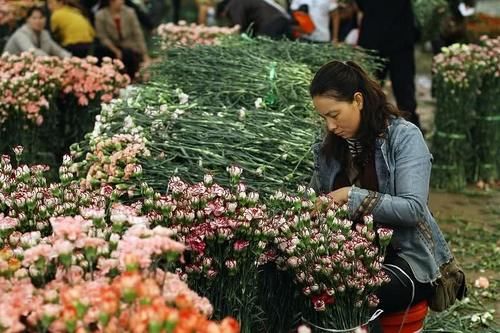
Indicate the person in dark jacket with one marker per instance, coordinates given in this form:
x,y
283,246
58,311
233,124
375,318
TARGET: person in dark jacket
x,y
388,27
260,17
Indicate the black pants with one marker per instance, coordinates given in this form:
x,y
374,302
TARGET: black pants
x,y
131,59
80,50
401,68
176,10
396,296
278,29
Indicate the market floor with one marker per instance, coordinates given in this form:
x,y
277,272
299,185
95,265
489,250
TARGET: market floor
x,y
470,221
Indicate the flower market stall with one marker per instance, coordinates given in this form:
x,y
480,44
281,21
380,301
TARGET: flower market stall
x,y
182,203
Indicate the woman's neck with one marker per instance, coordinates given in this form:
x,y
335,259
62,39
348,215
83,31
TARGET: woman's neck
x,y
36,32
114,10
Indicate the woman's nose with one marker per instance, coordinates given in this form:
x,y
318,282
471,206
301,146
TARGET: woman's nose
x,y
331,125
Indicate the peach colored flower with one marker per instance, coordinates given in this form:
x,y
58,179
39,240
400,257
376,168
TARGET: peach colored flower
x,y
482,282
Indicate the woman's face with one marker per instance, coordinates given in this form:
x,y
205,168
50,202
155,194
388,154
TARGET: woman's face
x,y
36,21
116,4
342,118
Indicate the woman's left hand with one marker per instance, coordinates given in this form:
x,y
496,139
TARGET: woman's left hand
x,y
339,196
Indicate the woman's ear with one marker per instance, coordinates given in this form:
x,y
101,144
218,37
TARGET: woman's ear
x,y
359,100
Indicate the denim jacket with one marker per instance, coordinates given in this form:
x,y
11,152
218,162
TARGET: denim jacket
x,y
403,167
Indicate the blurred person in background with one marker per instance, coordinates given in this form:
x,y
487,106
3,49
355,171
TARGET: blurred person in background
x,y
71,27
206,11
261,17
348,27
90,8
119,31
323,14
389,27
32,37
453,27
176,10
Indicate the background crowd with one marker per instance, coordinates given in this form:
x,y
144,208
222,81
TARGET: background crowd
x,y
121,28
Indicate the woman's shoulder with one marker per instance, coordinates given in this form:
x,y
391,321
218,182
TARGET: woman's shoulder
x,y
129,11
45,34
22,32
101,13
404,134
400,126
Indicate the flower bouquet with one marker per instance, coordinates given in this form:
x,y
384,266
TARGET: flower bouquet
x,y
466,86
336,263
487,123
225,231
455,83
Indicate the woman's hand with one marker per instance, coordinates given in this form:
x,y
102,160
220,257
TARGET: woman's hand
x,y
339,196
118,53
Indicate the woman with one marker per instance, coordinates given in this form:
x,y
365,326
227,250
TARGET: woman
x,y
73,29
378,163
32,37
120,33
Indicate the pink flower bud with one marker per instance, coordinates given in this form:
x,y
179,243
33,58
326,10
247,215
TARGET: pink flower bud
x,y
230,264
240,245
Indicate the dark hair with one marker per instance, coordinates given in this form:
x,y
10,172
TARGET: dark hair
x,y
33,9
341,81
104,3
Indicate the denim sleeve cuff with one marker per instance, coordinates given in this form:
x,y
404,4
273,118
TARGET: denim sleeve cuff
x,y
361,202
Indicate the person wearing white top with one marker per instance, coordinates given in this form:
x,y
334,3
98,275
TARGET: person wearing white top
x,y
320,11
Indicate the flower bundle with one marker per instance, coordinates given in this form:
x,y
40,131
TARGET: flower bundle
x,y
183,34
336,263
28,83
87,81
240,70
486,130
27,198
167,126
226,231
460,72
114,161
313,56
